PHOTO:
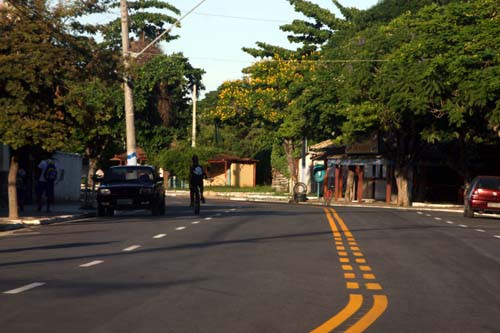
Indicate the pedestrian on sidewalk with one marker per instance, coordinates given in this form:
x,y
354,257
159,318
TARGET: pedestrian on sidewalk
x,y
49,171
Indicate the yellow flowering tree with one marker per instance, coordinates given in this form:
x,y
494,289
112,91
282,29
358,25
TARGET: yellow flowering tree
x,y
265,98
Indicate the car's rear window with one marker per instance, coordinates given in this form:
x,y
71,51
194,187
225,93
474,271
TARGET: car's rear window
x,y
489,183
129,175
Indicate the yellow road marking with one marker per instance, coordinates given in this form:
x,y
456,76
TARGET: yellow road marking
x,y
355,301
378,308
373,286
352,285
354,304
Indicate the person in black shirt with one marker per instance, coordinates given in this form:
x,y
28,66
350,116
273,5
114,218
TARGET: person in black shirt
x,y
196,176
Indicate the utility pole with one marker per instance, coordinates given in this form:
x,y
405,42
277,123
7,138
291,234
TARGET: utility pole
x,y
127,89
193,140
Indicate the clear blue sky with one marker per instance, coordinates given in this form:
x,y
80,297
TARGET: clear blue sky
x,y
213,42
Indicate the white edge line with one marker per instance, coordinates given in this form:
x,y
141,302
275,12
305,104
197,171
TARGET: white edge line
x,y
159,236
131,248
24,288
92,263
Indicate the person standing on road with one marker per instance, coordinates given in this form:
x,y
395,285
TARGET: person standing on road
x,y
49,172
196,176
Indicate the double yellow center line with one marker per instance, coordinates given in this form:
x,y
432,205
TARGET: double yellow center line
x,y
358,275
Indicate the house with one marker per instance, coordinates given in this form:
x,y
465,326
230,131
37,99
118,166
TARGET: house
x,y
227,170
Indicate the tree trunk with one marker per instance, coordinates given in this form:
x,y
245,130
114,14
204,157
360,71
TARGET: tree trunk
x,y
349,187
404,180
91,173
166,177
292,168
12,190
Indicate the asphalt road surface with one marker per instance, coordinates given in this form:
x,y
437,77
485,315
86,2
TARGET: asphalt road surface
x,y
254,267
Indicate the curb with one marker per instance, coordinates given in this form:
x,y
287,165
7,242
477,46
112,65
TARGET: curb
x,y
313,202
22,223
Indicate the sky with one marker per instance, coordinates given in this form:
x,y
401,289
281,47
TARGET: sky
x,y
212,36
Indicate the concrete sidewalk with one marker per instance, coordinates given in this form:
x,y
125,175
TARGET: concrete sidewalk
x,y
31,216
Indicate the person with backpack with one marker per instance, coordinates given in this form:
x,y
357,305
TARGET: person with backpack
x,y
49,170
196,176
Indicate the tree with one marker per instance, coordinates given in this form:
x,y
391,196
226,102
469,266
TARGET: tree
x,y
147,20
162,88
37,59
425,83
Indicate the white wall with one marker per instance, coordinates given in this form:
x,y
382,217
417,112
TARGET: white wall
x,y
69,188
305,174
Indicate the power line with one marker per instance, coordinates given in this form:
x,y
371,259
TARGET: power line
x,y
242,18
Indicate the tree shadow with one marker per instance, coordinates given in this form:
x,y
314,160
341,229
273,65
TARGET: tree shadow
x,y
56,246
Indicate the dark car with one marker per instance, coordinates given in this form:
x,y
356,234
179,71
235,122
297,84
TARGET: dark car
x,y
130,187
483,195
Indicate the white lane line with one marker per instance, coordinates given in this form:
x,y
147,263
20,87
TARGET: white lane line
x,y
497,236
92,263
159,236
233,209
180,228
131,248
419,213
462,225
208,218
428,215
449,222
438,218
24,288
195,222
480,230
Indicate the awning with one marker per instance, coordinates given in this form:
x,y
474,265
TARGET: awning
x,y
357,161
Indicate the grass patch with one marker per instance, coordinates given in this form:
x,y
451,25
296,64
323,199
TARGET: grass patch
x,y
256,189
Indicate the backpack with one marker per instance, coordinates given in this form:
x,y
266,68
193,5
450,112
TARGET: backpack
x,y
50,172
198,171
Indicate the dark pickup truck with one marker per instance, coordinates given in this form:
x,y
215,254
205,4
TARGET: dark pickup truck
x,y
129,188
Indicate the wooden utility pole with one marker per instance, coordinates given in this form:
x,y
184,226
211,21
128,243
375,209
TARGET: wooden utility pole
x,y
193,140
127,89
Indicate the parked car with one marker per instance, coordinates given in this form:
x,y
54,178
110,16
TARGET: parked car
x,y
130,187
483,195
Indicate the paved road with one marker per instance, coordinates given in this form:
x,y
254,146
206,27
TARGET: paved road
x,y
242,267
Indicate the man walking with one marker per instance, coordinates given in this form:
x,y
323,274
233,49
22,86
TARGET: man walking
x,y
49,170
